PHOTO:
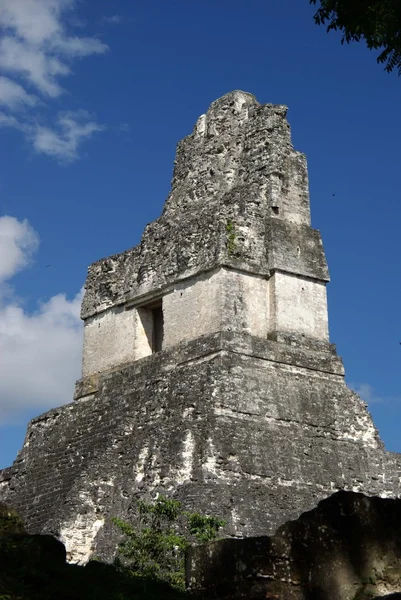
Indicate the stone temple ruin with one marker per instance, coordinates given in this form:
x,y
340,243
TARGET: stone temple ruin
x,y
208,374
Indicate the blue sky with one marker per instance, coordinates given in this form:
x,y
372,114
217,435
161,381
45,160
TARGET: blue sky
x,y
93,99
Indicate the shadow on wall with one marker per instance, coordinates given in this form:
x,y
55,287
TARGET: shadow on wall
x,y
348,548
33,567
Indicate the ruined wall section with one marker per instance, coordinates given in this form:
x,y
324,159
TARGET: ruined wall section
x,y
349,546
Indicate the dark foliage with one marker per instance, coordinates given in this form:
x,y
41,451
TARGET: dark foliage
x,y
378,22
33,567
29,572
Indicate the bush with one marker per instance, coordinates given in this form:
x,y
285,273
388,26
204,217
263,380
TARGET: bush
x,y
155,550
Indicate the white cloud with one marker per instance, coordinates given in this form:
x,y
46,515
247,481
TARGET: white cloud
x,y
35,65
73,128
36,44
41,350
79,47
35,21
14,96
37,49
63,140
18,242
10,121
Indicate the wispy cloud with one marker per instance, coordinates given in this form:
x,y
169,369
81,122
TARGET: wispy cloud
x,y
18,242
63,139
368,394
113,20
10,121
35,44
36,53
63,143
14,96
45,345
33,64
365,391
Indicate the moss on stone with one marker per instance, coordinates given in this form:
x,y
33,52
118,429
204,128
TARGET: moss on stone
x,y
231,237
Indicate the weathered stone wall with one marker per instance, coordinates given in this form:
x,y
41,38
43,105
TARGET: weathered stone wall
x,y
219,300
109,340
298,305
233,425
215,301
194,308
246,304
116,337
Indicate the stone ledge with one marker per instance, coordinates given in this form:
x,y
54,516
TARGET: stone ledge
x,y
299,352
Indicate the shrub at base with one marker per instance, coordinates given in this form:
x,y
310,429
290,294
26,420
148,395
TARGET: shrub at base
x,y
155,548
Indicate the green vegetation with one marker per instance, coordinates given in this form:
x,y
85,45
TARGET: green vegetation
x,y
378,22
155,547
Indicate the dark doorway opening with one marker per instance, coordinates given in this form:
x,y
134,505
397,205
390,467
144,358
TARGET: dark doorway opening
x,y
158,327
